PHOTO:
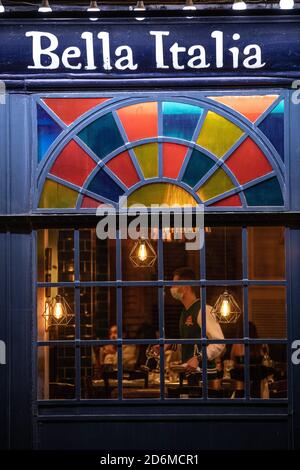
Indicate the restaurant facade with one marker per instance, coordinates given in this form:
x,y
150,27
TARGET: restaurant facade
x,y
198,112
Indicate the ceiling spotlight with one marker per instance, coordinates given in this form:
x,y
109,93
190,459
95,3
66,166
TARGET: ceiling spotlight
x,y
93,6
139,7
189,5
239,5
286,4
2,9
45,7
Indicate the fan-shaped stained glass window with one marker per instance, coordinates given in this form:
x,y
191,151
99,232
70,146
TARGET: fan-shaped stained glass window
x,y
222,151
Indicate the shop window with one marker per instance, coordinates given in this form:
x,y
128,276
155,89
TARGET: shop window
x,y
112,329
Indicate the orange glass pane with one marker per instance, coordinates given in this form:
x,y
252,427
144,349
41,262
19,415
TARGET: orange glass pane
x,y
69,109
249,106
139,120
73,164
124,169
173,157
56,195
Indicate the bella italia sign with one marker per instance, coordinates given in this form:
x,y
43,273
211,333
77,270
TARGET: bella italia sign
x,y
209,47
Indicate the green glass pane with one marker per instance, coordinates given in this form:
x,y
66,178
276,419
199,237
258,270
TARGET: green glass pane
x,y
57,196
147,156
217,184
218,134
161,193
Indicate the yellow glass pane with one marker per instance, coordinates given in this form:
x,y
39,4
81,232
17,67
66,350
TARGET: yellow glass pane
x,y
161,193
217,184
218,134
55,195
147,156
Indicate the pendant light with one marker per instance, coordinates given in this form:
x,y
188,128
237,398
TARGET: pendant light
x,y
45,7
57,312
142,254
226,308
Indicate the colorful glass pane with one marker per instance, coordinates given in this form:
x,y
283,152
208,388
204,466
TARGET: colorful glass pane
x,y
273,128
70,109
140,121
124,169
105,186
73,164
218,134
173,158
180,119
199,164
249,106
233,201
147,156
102,135
90,203
217,184
57,196
266,193
48,131
161,193
248,162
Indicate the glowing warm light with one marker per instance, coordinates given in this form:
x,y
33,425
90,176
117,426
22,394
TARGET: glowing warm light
x,y
142,252
45,7
286,4
225,308
58,310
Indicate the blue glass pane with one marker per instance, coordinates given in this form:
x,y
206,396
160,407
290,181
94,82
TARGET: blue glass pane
x,y
48,131
273,128
180,120
198,165
266,193
105,186
102,135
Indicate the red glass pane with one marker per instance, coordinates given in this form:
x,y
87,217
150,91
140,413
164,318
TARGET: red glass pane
x,y
173,157
124,169
139,120
248,162
250,106
69,109
233,201
73,164
89,203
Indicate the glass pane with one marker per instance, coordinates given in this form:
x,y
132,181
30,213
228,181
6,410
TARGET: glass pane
x,y
139,259
140,312
267,312
98,313
55,313
227,306
97,257
99,372
224,253
266,252
225,373
139,382
140,121
176,255
268,371
56,373
180,119
55,255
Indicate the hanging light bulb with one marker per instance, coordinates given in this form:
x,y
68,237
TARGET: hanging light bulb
x,y
286,4
142,254
2,9
239,5
58,309
139,7
226,309
45,7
